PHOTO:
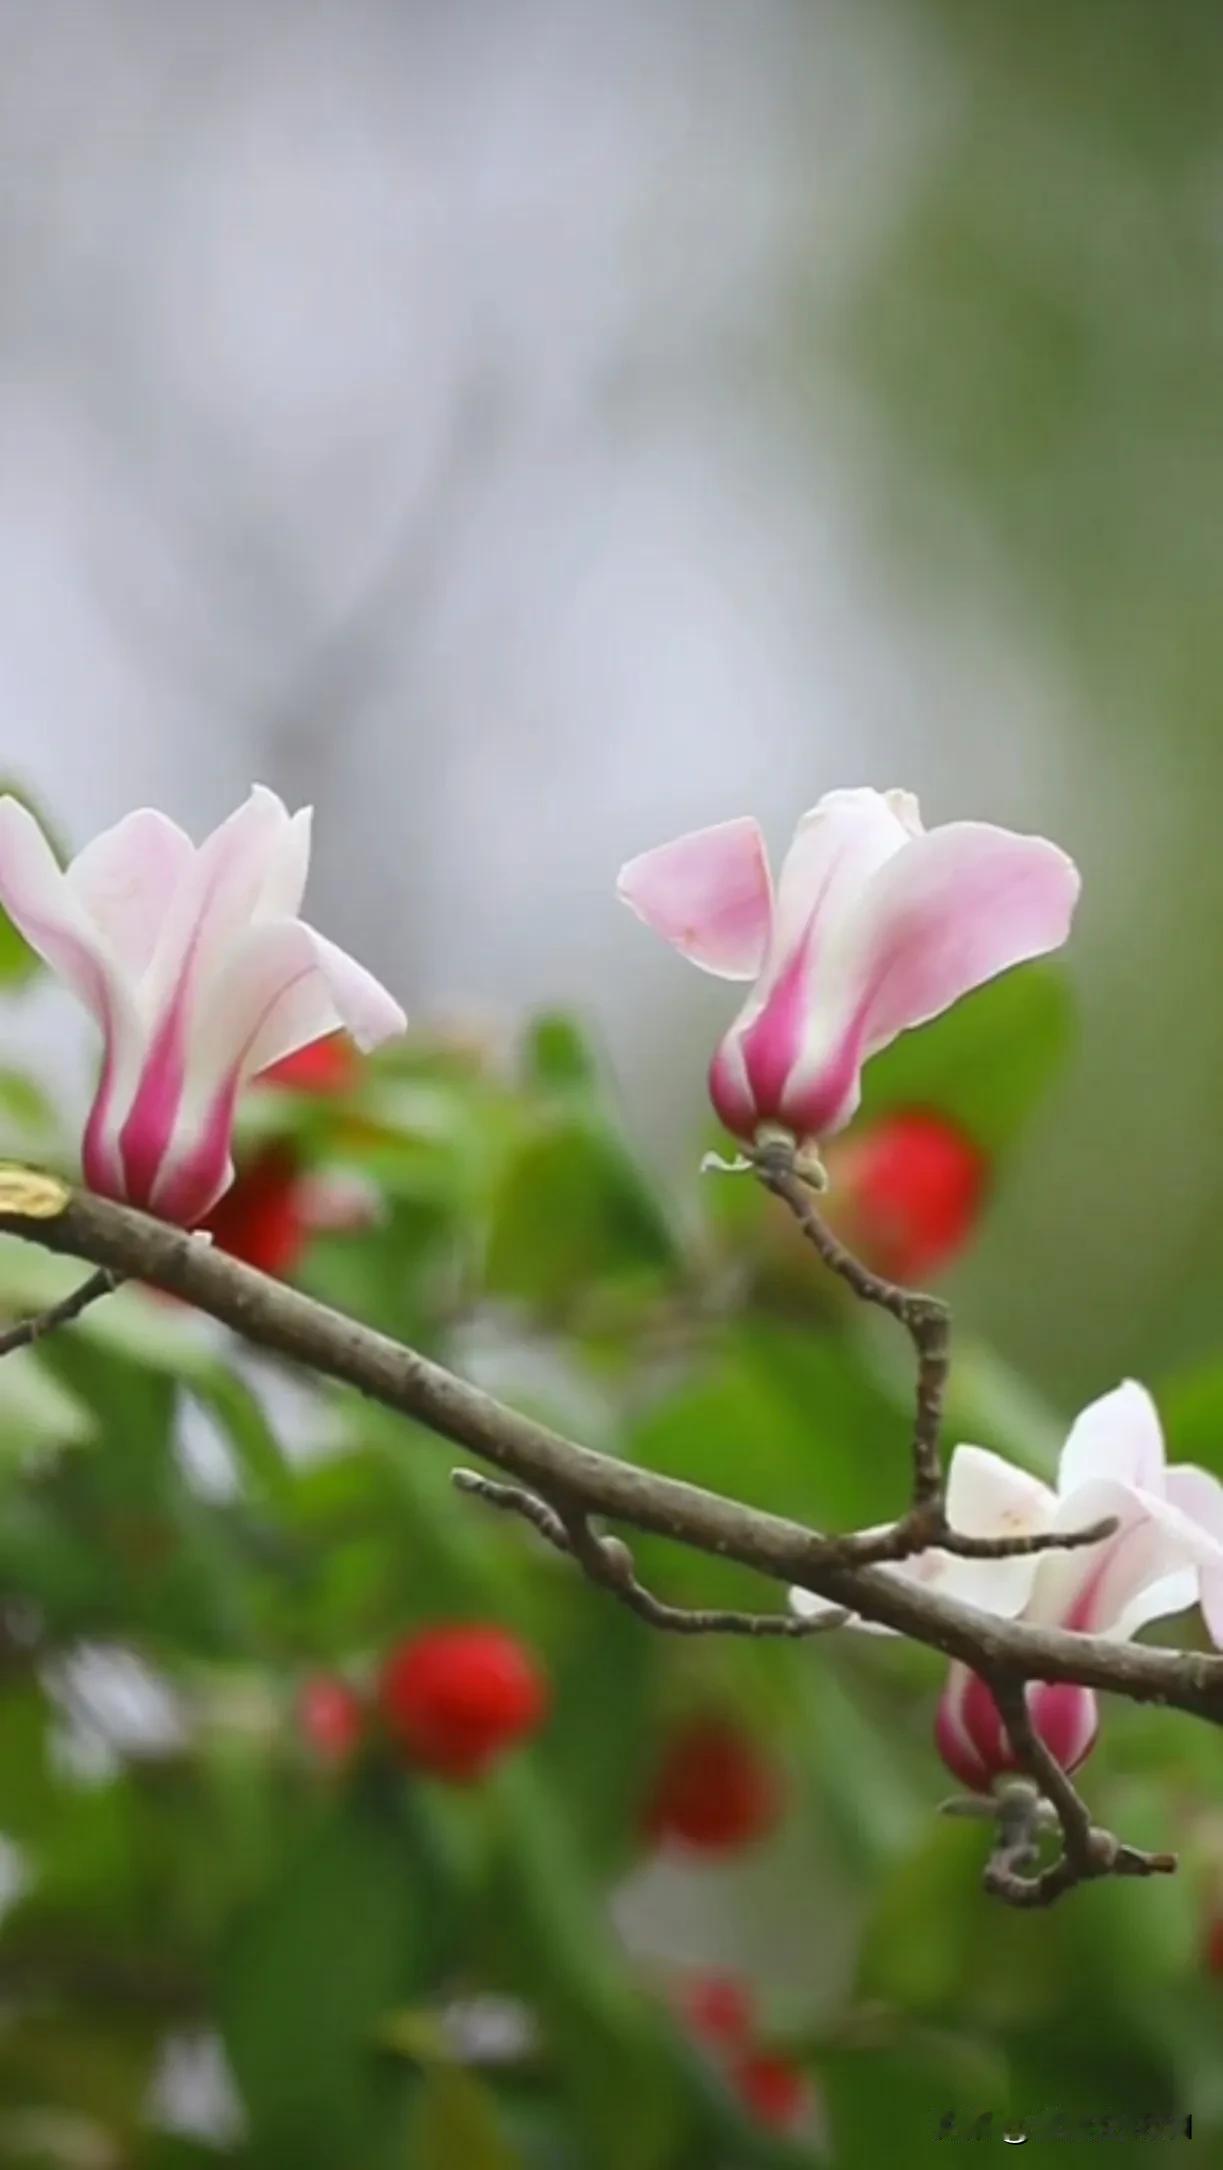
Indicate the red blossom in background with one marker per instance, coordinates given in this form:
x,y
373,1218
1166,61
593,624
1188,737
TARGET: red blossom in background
x,y
325,1066
715,1789
907,1193
455,1699
719,2010
262,1218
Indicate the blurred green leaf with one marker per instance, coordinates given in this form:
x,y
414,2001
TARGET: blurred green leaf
x,y
784,1419
886,2104
342,1937
1191,1405
572,1210
28,1122
598,1748
559,1055
455,2126
35,1410
984,1062
561,1951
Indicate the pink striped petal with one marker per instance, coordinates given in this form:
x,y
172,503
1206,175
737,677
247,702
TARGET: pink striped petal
x,y
793,1056
838,847
1067,1718
217,900
955,1743
955,908
1146,1570
973,1742
126,880
285,985
709,895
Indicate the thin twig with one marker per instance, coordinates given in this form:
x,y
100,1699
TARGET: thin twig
x,y
925,1319
608,1562
1087,1852
1016,1548
26,1331
900,1541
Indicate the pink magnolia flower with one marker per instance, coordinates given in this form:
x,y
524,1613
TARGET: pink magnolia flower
x,y
1163,1556
198,971
876,925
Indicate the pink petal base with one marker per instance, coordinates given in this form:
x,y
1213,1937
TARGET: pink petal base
x,y
972,1740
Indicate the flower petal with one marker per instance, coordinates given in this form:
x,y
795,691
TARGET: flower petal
x,y
1119,1436
44,907
126,879
709,895
1067,1718
929,1569
219,897
1199,1495
796,1039
955,908
284,986
987,1497
1145,1570
362,1004
285,883
838,847
955,1744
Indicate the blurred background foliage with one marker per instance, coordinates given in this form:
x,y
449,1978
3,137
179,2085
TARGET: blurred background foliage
x,y
695,1906
531,431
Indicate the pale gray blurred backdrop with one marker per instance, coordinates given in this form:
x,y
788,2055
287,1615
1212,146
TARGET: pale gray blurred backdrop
x,y
530,427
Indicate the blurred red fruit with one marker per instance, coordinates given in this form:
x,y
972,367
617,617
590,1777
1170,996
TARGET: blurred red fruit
x,y
454,1699
260,1218
331,1716
908,1192
718,2008
715,1789
775,2091
329,1065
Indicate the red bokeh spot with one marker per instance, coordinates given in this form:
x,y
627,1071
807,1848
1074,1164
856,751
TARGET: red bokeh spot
x,y
260,1219
331,1716
716,1790
907,1193
775,2091
718,2009
454,1699
329,1065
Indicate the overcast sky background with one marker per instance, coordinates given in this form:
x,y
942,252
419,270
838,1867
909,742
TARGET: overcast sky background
x,y
477,419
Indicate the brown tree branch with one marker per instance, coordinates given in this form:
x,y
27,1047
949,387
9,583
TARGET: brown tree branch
x,y
293,1325
26,1331
548,1468
1087,1850
608,1562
